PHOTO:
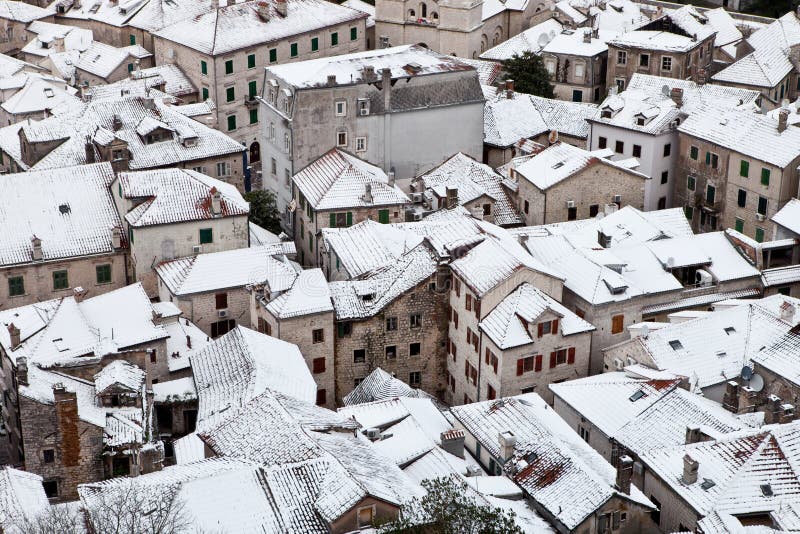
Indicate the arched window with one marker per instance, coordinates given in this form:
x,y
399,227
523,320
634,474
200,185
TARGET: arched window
x,y
423,10
434,15
411,14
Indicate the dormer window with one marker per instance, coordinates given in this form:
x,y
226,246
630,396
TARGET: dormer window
x,y
640,121
606,113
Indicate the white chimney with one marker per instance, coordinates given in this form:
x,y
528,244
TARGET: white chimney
x,y
507,442
216,202
787,312
116,237
367,196
783,119
280,7
37,248
391,181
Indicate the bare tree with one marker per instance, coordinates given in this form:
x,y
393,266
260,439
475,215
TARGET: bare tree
x,y
59,518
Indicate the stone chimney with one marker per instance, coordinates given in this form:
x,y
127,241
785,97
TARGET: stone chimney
x,y
748,397
116,122
367,196
509,89
22,370
216,202
36,243
116,237
701,77
624,474
596,32
451,198
262,8
280,7
730,399
391,179
386,87
14,336
78,293
783,119
690,468
773,410
453,441
676,93
331,80
693,434
587,35
231,3
787,312
66,405
507,442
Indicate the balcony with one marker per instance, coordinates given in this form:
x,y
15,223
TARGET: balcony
x,y
251,102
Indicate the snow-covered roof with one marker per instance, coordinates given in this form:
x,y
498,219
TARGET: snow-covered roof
x,y
238,26
573,43
728,33
506,324
360,5
688,27
764,67
556,468
69,209
119,374
102,60
229,269
175,81
782,354
22,12
473,180
789,216
242,364
177,195
751,134
309,294
154,15
378,386
39,94
108,12
488,71
753,470
22,497
495,7
177,390
531,40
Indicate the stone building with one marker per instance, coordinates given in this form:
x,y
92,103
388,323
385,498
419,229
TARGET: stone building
x,y
337,190
566,183
177,213
225,50
403,109
678,44
736,169
61,232
211,288
15,17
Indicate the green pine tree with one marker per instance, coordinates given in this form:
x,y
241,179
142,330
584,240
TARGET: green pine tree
x,y
529,74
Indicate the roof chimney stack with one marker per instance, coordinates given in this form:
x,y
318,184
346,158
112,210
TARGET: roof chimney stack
x,y
787,312
730,399
693,434
116,237
783,119
452,197
262,8
367,196
216,202
22,371
624,474
331,80
509,89
676,93
392,179
453,441
36,243
280,7
507,442
14,336
690,468
587,35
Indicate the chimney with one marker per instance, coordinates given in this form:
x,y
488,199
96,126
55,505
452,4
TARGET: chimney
x,y
36,243
367,196
587,35
214,4
787,312
386,86
78,293
786,414
693,434
116,123
262,8
331,81
14,336
730,399
216,202
392,180
452,197
369,72
66,406
88,149
22,370
701,77
690,468
509,89
596,32
783,119
773,410
613,90
624,474
747,399
231,3
676,93
507,441
280,7
116,237
453,441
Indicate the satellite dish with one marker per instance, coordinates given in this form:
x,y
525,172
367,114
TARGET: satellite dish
x,y
747,373
665,90
756,383
543,40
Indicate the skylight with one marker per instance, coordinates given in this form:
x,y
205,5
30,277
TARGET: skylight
x,y
707,484
730,330
636,396
766,490
675,344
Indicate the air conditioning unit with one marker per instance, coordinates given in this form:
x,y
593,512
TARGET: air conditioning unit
x,y
703,278
197,249
570,203
373,434
416,198
761,217
363,111
222,313
473,470
417,216
617,199
619,365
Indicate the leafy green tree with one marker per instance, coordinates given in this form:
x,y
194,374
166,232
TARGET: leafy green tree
x,y
771,8
264,210
450,508
529,74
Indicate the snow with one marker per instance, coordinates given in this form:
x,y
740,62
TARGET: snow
x,y
39,94
22,12
789,216
496,486
21,497
261,236
529,40
119,374
309,294
378,385
178,390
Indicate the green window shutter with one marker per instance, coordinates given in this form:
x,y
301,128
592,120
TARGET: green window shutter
x,y
206,235
334,38
130,67
229,67
60,280
332,220
708,158
252,88
230,94
103,274
314,44
310,241
693,152
765,176
16,286
739,225
132,39
253,116
689,211
293,50
231,122
251,61
203,68
205,93
340,330
690,183
383,216
353,34
349,218
744,169
760,235
273,55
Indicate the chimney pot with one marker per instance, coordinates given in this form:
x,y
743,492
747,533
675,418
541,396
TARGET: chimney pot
x,y
690,469
37,248
509,89
676,93
331,80
216,202
281,8
783,119
624,474
262,8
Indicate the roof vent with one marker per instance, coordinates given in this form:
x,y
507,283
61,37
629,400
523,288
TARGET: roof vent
x,y
636,396
766,490
64,209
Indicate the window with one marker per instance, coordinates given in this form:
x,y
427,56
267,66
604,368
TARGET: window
x,y
666,63
49,456
60,280
655,515
468,302
229,67
738,225
644,60
344,329
744,168
204,68
622,57
361,144
391,324
579,68
334,38
664,177
253,114
577,96
711,193
273,55
572,214
391,352
619,147
526,207
602,142
314,44
637,151
667,149
676,344
231,122
765,176
584,433
322,396
620,84
414,349
694,153
230,94
252,88
689,212
359,356
353,34
205,93
741,199
222,327
491,394
318,335
415,320
16,286
760,235
273,167
206,235
50,488
593,210
365,516
414,379
293,50
691,183
341,139
762,205
132,39
712,160
341,108
130,69
617,324
318,365
561,356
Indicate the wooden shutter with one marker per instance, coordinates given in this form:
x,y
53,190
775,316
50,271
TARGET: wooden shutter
x,y
571,355
486,352
333,220
541,329
538,364
554,329
477,309
552,360
520,366
349,218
